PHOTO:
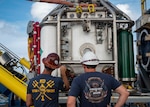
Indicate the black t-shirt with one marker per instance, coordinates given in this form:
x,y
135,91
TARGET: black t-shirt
x,y
45,90
93,89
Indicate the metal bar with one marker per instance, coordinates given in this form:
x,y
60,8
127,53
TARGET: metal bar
x,y
131,99
58,32
114,36
81,19
9,51
101,62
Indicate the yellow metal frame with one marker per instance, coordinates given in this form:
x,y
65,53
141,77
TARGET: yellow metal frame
x,y
143,6
24,62
13,83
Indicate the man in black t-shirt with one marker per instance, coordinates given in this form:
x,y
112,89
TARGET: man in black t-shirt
x,y
43,90
94,89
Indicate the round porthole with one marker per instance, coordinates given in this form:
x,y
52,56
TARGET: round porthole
x,y
144,49
86,47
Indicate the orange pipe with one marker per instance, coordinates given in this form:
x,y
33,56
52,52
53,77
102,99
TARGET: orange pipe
x,y
65,3
58,2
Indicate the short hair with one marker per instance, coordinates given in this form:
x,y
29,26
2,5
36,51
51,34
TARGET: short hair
x,y
91,66
49,69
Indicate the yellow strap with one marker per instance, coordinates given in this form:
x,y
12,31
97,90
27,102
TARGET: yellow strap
x,y
78,9
91,8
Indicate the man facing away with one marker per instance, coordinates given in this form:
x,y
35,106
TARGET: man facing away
x,y
43,90
94,89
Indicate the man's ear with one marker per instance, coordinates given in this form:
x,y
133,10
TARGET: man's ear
x,y
84,66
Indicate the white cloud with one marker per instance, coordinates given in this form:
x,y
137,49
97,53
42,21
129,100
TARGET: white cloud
x,y
126,9
7,28
40,10
13,39
13,35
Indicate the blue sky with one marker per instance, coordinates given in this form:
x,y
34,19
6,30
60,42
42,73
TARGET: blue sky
x,y
15,15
